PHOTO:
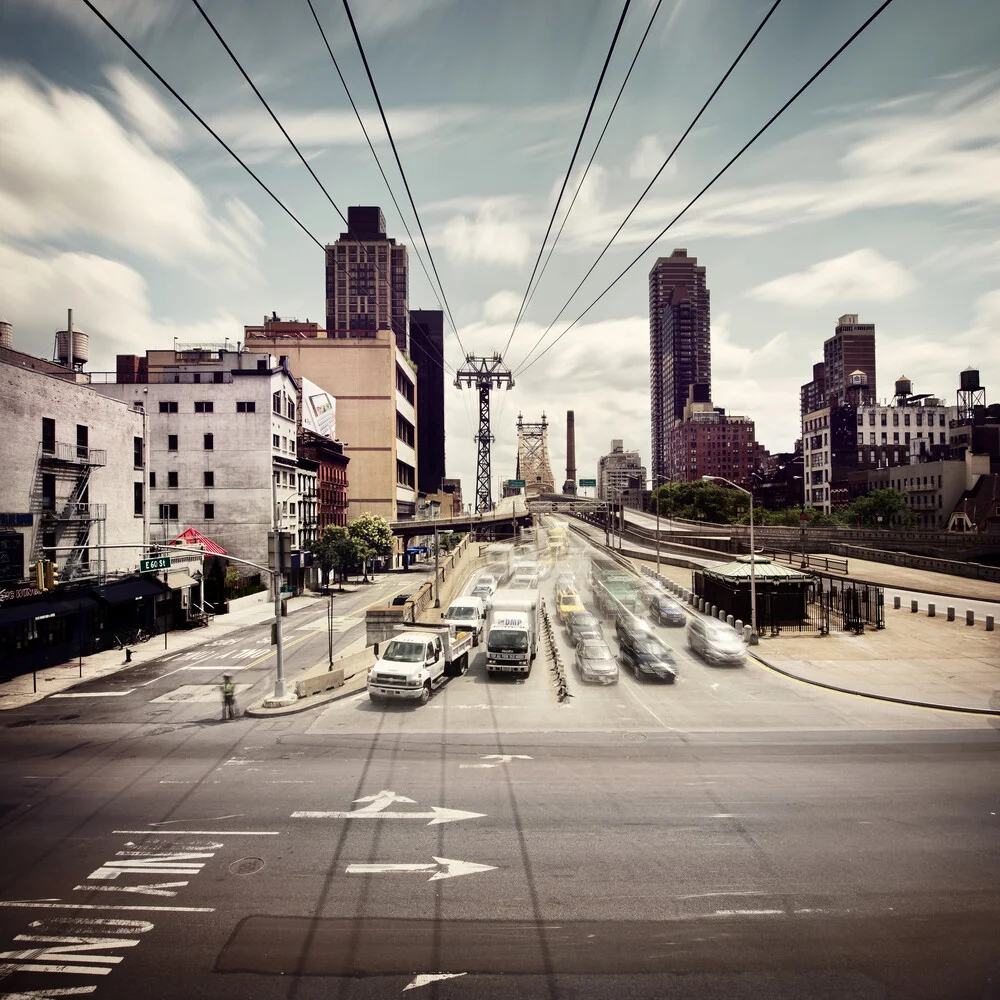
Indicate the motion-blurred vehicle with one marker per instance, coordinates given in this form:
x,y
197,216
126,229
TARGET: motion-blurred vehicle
x,y
647,656
485,593
595,662
627,623
568,602
512,631
665,610
583,625
466,614
716,643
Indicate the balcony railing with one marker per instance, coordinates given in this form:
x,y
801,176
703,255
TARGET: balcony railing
x,y
85,512
75,454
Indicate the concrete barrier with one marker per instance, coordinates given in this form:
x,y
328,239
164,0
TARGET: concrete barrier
x,y
913,607
989,623
970,617
896,601
315,683
931,611
951,614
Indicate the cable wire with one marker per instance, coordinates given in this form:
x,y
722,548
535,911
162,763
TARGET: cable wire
x,y
600,138
719,174
663,166
378,162
402,173
569,170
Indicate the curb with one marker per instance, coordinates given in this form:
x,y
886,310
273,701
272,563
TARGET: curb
x,y
257,711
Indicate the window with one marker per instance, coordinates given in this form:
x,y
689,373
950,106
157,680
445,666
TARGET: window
x,y
920,420
171,442
48,434
895,420
217,376
895,437
871,418
209,442
906,420
137,499
48,491
261,364
204,406
168,512
871,438
82,441
172,480
907,437
884,437
209,478
276,403
168,406
291,409
137,452
882,415
209,511
152,480
861,420
246,406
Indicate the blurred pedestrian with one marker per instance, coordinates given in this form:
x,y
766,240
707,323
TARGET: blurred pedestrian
x,y
228,697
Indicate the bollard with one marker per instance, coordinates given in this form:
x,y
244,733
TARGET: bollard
x,y
931,611
730,620
989,623
715,610
747,632
722,615
128,655
913,607
701,603
970,617
738,625
895,603
951,614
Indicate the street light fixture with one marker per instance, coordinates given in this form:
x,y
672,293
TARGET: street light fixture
x,y
753,557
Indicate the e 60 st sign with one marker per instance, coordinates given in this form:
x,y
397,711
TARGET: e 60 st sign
x,y
152,565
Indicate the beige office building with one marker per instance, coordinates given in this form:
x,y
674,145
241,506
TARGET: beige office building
x,y
376,393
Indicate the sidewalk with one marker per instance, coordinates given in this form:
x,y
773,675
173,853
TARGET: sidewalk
x,y
24,690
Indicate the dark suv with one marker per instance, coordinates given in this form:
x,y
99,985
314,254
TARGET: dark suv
x,y
646,656
665,610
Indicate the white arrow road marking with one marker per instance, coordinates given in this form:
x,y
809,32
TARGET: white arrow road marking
x,y
437,815
450,868
498,759
431,977
55,904
170,822
381,800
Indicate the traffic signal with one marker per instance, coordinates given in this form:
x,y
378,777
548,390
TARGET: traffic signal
x,y
38,574
51,574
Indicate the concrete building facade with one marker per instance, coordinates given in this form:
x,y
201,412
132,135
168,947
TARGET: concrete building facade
x,y
710,442
427,353
620,472
851,349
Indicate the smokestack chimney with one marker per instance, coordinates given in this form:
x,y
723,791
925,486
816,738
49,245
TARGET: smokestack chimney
x,y
569,487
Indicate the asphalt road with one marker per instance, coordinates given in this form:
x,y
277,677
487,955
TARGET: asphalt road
x,y
734,835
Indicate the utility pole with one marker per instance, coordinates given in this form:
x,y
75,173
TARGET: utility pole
x,y
437,578
485,374
279,676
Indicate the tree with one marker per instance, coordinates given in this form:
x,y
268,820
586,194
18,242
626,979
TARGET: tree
x,y
372,537
232,580
880,507
336,552
699,501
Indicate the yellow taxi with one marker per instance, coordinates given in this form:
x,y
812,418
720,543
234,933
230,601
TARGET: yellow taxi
x,y
567,602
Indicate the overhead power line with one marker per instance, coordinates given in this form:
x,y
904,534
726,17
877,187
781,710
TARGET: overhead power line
x,y
600,138
378,163
656,176
402,172
798,93
569,170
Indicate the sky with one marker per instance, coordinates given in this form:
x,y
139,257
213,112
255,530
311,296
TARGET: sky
x,y
877,192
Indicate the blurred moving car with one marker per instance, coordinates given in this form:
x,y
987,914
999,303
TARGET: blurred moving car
x,y
583,625
665,610
627,623
647,656
595,662
716,643
568,602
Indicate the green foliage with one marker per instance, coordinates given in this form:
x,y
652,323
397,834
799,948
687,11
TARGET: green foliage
x,y
335,552
699,501
890,505
232,580
372,537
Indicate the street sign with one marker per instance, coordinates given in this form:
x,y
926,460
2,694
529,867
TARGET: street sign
x,y
287,591
153,565
588,482
516,484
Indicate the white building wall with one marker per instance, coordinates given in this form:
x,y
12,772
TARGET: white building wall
x,y
25,398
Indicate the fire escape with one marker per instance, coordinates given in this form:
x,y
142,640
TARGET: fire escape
x,y
68,523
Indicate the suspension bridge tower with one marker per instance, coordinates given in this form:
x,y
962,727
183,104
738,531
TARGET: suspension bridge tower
x,y
533,456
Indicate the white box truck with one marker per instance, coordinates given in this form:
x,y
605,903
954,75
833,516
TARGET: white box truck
x,y
512,632
416,661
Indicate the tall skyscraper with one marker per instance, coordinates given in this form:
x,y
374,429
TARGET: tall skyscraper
x,y
851,349
366,280
679,344
427,352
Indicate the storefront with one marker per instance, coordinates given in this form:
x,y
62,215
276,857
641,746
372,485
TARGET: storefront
x,y
42,631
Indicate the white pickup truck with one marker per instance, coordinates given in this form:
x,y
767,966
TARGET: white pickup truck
x,y
466,614
416,661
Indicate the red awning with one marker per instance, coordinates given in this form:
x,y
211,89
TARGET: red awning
x,y
192,536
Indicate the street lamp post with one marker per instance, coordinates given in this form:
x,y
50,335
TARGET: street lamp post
x,y
753,558
658,481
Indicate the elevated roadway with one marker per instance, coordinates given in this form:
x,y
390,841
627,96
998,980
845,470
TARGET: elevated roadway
x,y
508,512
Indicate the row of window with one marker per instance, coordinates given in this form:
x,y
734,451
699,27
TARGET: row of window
x,y
208,442
895,437
207,406
895,419
170,511
173,479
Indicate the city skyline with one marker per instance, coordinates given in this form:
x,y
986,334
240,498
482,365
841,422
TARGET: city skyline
x,y
879,180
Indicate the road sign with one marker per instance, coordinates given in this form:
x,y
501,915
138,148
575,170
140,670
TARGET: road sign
x,y
287,591
516,484
588,482
442,868
153,565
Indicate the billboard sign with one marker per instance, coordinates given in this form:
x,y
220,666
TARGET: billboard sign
x,y
319,410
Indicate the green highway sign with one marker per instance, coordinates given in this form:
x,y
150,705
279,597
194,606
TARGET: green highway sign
x,y
516,484
152,565
287,591
588,482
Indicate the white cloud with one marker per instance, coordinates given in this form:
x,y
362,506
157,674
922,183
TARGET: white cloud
x,y
134,18
380,16
492,236
110,302
647,159
68,168
143,109
503,305
861,276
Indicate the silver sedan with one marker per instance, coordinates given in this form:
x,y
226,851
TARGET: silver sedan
x,y
595,662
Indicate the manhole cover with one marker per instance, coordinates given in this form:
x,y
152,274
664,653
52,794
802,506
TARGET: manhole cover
x,y
162,731
634,737
246,866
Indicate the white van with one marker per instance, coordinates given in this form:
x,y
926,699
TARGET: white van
x,y
466,614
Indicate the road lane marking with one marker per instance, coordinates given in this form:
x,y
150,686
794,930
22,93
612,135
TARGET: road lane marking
x,y
497,759
442,867
425,978
203,833
55,904
376,807
199,694
93,694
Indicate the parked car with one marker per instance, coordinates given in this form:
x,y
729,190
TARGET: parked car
x,y
716,643
595,662
401,599
665,610
646,656
583,625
